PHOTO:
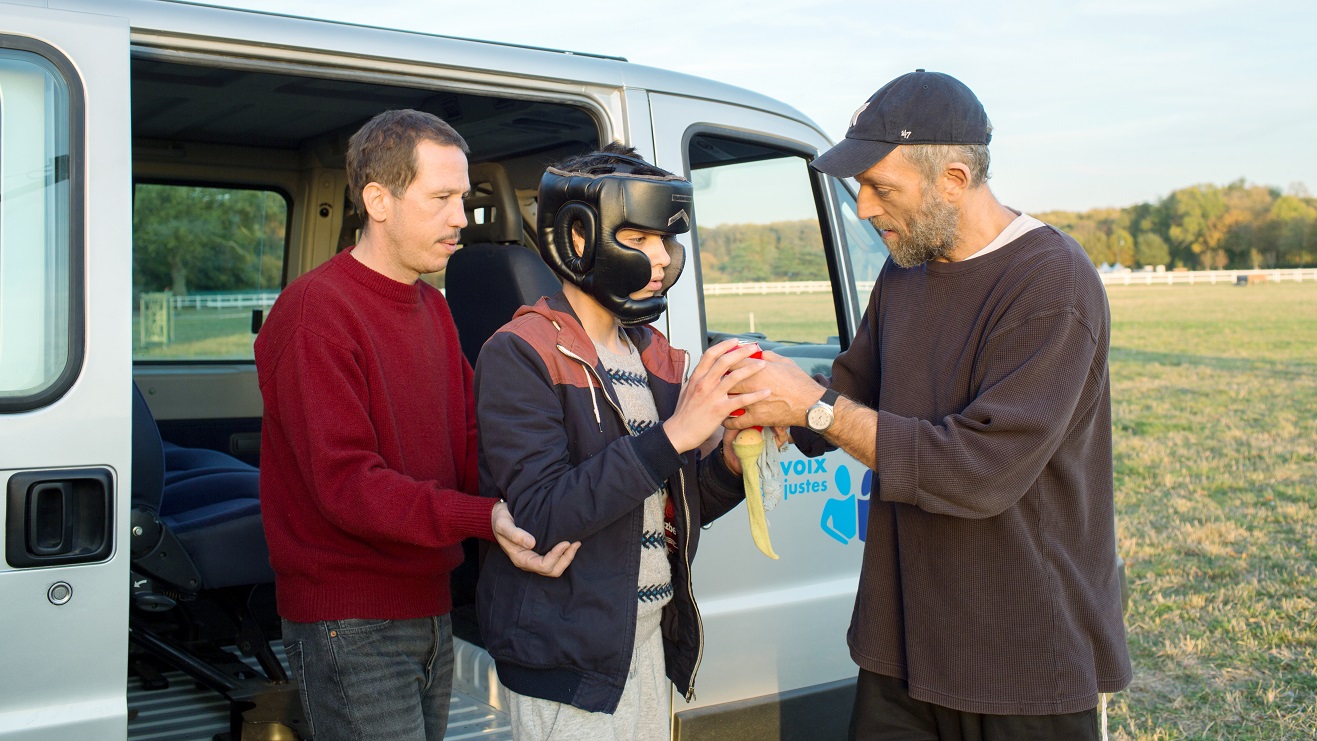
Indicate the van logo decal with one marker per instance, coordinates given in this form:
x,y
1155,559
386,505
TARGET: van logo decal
x,y
844,511
846,518
680,215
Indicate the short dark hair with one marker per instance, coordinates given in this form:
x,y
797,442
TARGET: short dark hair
x,y
384,150
606,160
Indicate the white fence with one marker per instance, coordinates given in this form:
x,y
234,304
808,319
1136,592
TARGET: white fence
x,y
1205,277
744,289
256,300
1136,278
265,299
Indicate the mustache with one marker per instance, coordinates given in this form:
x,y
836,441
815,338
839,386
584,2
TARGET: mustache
x,y
880,225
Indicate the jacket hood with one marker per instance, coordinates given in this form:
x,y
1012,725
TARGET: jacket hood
x,y
660,357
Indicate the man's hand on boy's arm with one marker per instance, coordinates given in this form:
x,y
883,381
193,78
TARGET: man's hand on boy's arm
x,y
706,399
519,545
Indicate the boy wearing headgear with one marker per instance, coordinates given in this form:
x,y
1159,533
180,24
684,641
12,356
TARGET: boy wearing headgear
x,y
589,434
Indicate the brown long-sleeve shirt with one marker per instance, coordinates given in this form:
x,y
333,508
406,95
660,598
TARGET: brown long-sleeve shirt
x,y
989,578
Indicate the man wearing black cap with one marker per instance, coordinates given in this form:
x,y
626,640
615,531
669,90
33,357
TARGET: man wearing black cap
x,y
977,390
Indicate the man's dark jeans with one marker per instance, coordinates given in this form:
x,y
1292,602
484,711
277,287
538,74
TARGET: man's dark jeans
x,y
367,680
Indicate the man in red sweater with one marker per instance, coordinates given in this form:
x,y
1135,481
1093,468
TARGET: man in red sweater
x,y
368,457
977,390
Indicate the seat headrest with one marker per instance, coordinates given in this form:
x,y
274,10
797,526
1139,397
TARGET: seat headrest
x,y
491,209
487,283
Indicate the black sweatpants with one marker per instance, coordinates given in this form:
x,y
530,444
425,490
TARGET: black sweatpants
x,y
884,711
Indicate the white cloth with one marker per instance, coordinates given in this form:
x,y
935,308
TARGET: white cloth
x,y
1021,225
770,474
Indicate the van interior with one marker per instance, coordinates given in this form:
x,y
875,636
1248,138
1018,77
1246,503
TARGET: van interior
x,y
239,187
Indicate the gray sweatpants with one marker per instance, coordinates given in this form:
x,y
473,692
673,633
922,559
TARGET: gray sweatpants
x,y
643,714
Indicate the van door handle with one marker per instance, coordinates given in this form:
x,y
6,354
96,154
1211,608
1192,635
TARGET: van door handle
x,y
59,517
48,518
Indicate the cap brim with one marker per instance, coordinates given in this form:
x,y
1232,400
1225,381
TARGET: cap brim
x,y
850,157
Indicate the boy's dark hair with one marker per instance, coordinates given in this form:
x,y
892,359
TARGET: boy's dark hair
x,y
607,160
384,150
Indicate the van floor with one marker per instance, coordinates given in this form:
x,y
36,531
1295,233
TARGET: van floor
x,y
186,711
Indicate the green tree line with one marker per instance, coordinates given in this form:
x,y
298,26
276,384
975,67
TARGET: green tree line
x,y
755,253
1201,227
195,238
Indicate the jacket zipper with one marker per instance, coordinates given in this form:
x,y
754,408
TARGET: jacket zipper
x,y
602,389
686,554
686,547
690,589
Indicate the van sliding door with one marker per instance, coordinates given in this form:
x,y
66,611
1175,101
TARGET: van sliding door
x,y
65,372
768,264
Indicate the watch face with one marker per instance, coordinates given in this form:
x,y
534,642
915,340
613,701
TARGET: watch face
x,y
819,418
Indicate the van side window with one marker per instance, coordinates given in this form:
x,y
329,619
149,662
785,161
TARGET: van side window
x,y
204,258
864,249
763,262
40,245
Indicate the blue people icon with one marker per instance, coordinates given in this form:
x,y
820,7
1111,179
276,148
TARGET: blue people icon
x,y
862,504
847,516
838,519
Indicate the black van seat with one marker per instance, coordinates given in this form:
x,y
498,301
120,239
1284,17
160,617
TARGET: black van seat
x,y
493,275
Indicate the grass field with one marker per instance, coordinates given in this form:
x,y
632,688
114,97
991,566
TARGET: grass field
x,y
1214,396
201,334
807,317
1215,411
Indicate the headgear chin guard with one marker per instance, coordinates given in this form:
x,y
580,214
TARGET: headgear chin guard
x,y
602,205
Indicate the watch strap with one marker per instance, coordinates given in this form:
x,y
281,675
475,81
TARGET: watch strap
x,y
830,397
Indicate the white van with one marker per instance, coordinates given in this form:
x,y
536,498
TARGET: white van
x,y
166,168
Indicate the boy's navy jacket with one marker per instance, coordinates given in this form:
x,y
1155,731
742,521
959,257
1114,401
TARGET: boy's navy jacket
x,y
554,444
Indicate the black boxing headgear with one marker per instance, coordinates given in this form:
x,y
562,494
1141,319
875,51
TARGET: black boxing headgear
x,y
601,205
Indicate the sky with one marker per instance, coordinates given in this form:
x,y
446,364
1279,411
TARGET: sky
x,y
1094,103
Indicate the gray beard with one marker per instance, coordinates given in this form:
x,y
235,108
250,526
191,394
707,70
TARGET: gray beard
x,y
932,233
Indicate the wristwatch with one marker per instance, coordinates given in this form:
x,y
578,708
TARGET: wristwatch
x,y
819,417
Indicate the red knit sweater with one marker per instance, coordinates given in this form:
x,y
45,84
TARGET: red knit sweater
x,y
368,446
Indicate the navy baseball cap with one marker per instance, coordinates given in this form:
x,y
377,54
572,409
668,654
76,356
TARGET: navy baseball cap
x,y
916,108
